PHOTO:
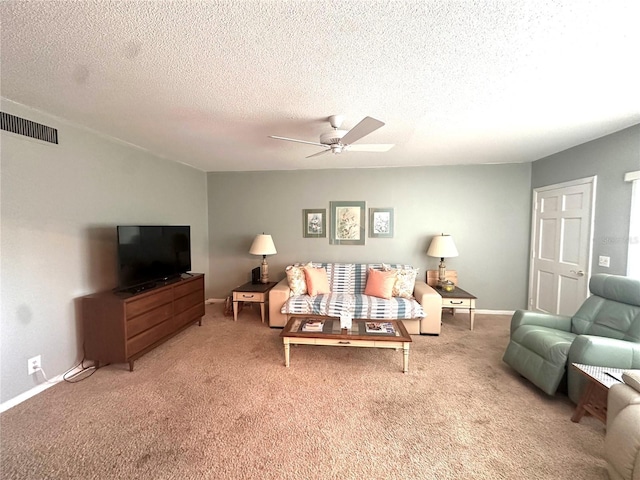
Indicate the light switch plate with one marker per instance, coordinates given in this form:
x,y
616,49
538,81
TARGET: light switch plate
x,y
603,261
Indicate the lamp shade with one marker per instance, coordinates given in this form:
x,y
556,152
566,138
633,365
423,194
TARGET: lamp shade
x,y
263,245
442,246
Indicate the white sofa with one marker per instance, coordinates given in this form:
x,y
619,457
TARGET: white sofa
x,y
622,440
423,316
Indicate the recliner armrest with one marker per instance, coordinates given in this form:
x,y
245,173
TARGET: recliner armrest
x,y
605,352
527,317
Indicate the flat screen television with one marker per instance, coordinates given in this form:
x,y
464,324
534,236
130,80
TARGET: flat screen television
x,y
148,254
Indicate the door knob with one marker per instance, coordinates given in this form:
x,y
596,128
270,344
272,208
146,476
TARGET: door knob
x,y
579,273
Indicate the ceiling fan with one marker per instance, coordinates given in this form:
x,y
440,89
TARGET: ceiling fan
x,y
338,141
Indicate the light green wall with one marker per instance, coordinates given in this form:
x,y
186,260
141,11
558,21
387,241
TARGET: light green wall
x,y
485,208
609,158
59,208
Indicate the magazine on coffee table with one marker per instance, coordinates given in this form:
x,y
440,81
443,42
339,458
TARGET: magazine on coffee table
x,y
379,327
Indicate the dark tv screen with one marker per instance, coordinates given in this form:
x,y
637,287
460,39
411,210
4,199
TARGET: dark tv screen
x,y
149,254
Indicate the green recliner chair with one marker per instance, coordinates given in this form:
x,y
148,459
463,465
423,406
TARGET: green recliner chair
x,y
605,331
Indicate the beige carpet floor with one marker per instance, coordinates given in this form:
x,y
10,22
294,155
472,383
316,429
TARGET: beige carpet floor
x,y
216,402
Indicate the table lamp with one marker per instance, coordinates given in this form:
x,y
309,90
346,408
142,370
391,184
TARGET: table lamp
x,y
442,247
263,245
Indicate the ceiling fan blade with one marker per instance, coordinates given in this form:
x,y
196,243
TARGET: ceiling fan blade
x,y
328,150
373,147
298,141
365,127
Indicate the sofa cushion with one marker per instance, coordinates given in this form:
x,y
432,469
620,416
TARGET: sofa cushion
x,y
296,278
332,305
405,280
374,308
380,284
317,281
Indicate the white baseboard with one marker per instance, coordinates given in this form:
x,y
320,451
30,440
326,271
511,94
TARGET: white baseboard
x,y
485,312
496,312
37,389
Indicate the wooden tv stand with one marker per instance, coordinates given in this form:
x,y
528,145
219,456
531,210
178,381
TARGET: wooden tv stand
x,y
121,327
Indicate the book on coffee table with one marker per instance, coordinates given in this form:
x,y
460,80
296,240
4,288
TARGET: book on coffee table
x,y
379,327
313,326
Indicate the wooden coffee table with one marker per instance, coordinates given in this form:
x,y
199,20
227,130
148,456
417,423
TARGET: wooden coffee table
x,y
332,335
594,397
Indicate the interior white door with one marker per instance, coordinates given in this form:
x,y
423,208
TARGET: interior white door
x,y
562,232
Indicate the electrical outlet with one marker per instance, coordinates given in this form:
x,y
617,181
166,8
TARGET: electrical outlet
x,y
603,261
34,364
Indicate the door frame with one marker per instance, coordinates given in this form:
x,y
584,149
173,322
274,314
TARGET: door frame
x,y
593,180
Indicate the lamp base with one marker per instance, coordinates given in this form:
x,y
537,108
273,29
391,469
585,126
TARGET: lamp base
x,y
264,270
442,273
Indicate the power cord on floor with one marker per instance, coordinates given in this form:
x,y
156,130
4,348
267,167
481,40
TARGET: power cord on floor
x,y
83,369
71,378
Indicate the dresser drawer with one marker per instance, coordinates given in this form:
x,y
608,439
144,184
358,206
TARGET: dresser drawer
x,y
189,286
149,337
148,302
192,314
188,301
148,319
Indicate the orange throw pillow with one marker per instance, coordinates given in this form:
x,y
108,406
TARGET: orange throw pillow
x,y
317,281
380,284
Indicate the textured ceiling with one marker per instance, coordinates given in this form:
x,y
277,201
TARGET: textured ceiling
x,y
205,83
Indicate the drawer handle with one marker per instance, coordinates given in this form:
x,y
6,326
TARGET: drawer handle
x,y
247,296
456,303
344,343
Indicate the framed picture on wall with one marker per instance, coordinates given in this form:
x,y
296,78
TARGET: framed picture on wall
x,y
314,223
381,222
347,223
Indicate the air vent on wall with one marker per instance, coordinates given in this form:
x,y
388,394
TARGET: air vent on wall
x,y
18,125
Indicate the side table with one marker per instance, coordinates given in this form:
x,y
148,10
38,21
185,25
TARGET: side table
x,y
251,292
594,397
459,298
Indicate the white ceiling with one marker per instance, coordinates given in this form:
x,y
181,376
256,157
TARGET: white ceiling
x,y
205,83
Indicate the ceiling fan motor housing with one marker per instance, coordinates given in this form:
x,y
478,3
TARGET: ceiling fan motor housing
x,y
333,137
